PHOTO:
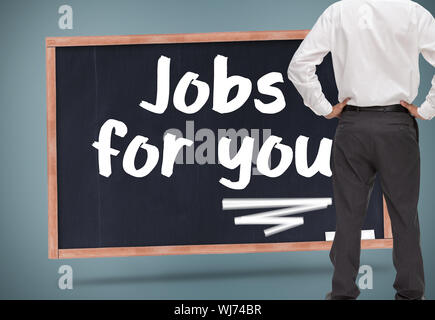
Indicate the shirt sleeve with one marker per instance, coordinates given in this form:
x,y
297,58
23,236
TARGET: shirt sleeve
x,y
302,68
426,43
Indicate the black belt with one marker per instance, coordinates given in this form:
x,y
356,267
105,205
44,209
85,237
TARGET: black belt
x,y
390,108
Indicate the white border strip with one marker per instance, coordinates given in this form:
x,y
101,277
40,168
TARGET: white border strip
x,y
365,235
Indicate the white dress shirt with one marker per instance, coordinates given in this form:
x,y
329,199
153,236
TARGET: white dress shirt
x,y
375,47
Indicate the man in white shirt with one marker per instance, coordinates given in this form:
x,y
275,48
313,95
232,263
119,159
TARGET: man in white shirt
x,y
375,47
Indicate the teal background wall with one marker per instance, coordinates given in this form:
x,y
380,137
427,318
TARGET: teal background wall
x,y
26,272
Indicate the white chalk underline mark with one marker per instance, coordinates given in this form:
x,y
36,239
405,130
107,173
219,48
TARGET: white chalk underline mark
x,y
258,203
275,217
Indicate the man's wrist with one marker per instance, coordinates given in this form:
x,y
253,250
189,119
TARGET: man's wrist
x,y
426,111
325,108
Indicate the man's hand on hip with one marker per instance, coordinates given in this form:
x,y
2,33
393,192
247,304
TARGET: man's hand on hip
x,y
337,109
412,109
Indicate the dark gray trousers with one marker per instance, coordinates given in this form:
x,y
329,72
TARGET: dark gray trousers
x,y
386,143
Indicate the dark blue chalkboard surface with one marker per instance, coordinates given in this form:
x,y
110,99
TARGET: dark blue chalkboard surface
x,y
98,83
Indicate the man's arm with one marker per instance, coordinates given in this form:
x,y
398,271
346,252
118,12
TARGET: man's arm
x,y
426,44
302,68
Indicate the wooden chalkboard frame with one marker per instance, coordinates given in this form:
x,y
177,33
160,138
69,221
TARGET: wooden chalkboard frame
x,y
53,249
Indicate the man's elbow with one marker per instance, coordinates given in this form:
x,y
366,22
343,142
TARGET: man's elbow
x,y
292,70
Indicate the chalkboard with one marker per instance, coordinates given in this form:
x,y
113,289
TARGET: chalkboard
x,y
145,134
